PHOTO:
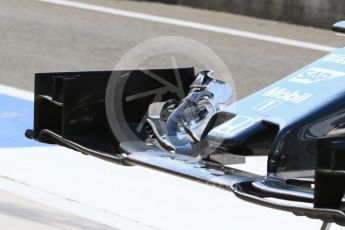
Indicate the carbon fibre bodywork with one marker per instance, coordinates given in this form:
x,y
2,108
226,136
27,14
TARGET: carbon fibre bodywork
x,y
298,122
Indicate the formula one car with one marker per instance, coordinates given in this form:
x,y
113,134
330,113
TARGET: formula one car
x,y
181,123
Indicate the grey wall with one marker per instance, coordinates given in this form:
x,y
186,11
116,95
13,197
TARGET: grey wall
x,y
318,13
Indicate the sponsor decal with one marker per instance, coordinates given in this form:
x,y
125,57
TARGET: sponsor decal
x,y
266,105
235,124
314,74
284,94
335,58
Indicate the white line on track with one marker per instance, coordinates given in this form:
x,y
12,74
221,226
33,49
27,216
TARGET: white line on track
x,y
130,197
68,205
14,92
189,24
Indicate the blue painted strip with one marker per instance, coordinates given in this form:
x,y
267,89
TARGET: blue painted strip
x,y
16,115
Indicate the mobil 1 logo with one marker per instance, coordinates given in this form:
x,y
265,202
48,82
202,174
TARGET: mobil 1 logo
x,y
277,96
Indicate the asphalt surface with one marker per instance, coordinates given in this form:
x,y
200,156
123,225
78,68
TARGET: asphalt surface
x,y
39,37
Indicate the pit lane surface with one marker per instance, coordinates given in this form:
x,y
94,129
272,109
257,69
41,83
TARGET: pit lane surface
x,y
17,212
39,36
